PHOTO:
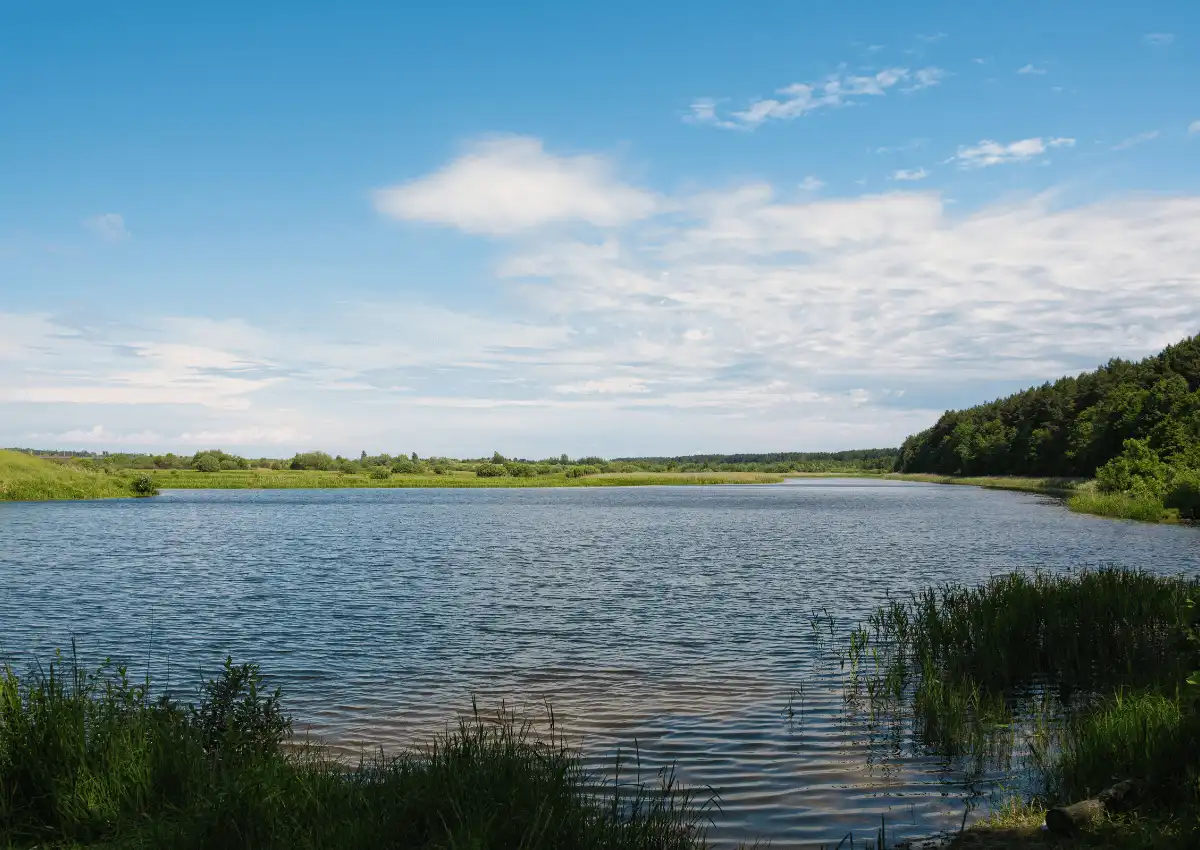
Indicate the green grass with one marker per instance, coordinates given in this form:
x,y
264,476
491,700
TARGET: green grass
x,y
27,478
93,760
1051,486
268,479
1117,506
1070,681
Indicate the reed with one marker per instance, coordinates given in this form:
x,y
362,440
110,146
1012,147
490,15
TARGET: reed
x,y
95,759
1117,505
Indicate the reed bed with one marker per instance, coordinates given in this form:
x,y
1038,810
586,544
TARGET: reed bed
x,y
1068,681
93,759
1117,505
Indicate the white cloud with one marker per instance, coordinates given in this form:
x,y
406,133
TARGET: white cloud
x,y
1133,141
1158,38
931,38
811,183
108,226
798,99
1194,128
505,185
1031,69
910,174
745,317
989,152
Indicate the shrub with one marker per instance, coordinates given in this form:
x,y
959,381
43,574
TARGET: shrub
x,y
1138,470
1184,493
381,473
206,463
143,485
519,470
312,460
490,470
581,471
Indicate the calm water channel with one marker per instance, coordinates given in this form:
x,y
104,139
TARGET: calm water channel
x,y
681,618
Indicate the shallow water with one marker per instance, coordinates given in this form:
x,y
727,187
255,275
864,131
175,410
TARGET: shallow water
x,y
680,618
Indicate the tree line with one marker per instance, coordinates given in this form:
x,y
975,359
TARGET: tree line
x,y
1134,426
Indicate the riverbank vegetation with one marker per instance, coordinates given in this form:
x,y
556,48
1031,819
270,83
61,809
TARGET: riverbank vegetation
x,y
26,478
1134,427
98,760
1069,682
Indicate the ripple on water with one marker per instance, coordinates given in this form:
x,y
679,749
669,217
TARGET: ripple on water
x,y
674,619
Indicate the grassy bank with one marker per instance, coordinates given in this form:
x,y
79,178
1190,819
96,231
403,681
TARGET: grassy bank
x,y
93,760
271,479
26,478
1068,682
1049,486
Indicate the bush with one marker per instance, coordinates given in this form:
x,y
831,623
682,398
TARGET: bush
x,y
312,460
143,485
519,470
1184,493
381,473
1138,471
490,470
581,471
206,463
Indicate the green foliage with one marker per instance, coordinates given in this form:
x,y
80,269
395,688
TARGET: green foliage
x,y
520,470
26,478
144,485
490,470
381,473
582,471
206,463
1075,425
91,759
1183,492
1138,471
312,460
1116,505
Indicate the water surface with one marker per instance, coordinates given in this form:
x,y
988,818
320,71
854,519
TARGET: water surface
x,y
682,618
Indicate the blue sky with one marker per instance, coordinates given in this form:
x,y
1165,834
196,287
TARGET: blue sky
x,y
546,228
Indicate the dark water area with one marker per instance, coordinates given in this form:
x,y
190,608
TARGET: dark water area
x,y
687,619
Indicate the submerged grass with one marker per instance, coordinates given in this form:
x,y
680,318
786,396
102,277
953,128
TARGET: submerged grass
x,y
92,760
1078,677
27,478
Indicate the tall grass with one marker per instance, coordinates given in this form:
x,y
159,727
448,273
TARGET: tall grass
x,y
1079,676
92,758
27,478
1117,505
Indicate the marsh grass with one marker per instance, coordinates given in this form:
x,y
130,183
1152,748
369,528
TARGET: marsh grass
x,y
1118,506
24,478
1050,486
1075,680
92,759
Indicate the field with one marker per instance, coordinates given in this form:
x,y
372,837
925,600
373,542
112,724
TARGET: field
x,y
268,479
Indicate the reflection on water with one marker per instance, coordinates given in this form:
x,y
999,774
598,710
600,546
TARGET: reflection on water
x,y
694,621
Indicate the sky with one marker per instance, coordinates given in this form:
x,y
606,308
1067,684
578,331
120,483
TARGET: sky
x,y
616,229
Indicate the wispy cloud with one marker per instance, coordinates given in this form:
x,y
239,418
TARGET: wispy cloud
x,y
798,99
1194,128
1158,39
988,152
1133,141
1031,69
911,144
931,38
811,183
909,174
108,226
509,184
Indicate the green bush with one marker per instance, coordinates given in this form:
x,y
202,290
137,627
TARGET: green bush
x,y
144,485
381,473
519,470
206,463
581,471
1184,493
1138,471
312,460
490,470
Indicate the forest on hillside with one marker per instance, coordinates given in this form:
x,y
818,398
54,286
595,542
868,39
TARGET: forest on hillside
x,y
1134,426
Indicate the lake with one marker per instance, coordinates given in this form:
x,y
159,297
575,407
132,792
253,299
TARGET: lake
x,y
687,619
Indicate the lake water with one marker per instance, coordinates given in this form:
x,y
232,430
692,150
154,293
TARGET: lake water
x,y
682,618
